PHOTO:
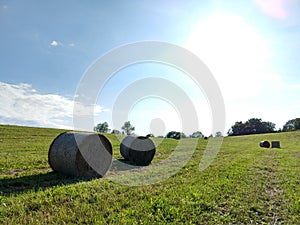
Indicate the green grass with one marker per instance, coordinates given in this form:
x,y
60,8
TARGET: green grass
x,y
245,184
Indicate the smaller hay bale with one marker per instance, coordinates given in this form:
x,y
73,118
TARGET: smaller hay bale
x,y
264,144
138,149
275,144
85,155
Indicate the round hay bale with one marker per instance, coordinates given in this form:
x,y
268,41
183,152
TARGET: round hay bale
x,y
275,144
85,155
138,149
264,144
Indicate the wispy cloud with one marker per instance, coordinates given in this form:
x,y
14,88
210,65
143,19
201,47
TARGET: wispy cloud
x,y
21,104
55,43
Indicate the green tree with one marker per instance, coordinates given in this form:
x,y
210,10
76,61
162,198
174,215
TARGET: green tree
x,y
197,134
218,134
183,135
237,129
251,126
102,127
174,135
297,124
114,131
292,125
128,128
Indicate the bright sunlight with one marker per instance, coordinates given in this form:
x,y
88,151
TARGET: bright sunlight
x,y
234,51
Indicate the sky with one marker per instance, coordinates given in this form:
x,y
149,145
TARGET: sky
x,y
252,48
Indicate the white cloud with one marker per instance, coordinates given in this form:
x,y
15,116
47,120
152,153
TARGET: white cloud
x,y
21,104
54,43
71,45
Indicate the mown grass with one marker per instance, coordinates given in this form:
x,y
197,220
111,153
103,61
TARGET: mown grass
x,y
245,184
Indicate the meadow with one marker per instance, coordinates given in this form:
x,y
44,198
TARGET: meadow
x,y
245,184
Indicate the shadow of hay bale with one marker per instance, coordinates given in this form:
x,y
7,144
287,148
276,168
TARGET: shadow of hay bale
x,y
123,165
35,182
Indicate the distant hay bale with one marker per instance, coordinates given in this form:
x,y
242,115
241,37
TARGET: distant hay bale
x,y
275,144
264,144
85,155
139,150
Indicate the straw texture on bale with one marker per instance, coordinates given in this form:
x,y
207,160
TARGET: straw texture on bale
x,y
264,144
275,144
85,155
139,150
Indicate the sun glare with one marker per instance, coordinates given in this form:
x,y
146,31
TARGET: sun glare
x,y
232,49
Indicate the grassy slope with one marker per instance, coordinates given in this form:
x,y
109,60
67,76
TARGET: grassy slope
x,y
245,184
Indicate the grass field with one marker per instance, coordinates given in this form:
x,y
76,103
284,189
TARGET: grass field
x,y
245,184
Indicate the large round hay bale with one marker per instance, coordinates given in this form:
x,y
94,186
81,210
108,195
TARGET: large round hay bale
x,y
264,144
85,155
138,149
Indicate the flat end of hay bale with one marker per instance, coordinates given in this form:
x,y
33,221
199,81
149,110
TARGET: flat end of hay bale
x,y
84,155
275,144
139,150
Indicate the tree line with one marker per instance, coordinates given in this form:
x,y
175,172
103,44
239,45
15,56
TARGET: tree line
x,y
127,128
251,126
257,126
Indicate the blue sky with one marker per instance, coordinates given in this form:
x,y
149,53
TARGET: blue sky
x,y
252,48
